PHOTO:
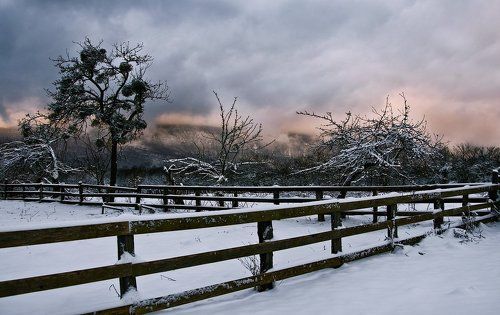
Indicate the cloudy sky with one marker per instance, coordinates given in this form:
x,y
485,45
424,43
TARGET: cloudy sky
x,y
277,57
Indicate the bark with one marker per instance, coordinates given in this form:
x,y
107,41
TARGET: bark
x,y
114,163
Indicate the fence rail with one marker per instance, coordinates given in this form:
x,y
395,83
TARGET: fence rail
x,y
199,198
125,231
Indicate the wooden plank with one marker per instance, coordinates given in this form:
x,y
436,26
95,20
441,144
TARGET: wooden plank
x,y
66,279
199,294
80,192
198,200
9,239
336,222
265,234
234,203
391,219
125,245
270,189
48,282
62,234
375,209
319,196
438,217
190,296
39,283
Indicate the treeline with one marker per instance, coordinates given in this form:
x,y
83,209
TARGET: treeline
x,y
459,163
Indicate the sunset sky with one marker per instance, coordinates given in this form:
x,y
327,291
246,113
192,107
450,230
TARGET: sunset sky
x,y
277,57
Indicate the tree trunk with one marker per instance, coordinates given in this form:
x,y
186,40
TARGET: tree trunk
x,y
114,168
114,163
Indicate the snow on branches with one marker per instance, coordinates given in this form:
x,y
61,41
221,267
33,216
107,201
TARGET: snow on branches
x,y
386,146
34,158
236,135
106,90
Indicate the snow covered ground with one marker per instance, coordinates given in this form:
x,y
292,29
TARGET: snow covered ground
x,y
441,275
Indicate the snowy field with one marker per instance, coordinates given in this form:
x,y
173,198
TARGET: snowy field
x,y
441,275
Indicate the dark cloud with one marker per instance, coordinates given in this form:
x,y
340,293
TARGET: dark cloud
x,y
277,56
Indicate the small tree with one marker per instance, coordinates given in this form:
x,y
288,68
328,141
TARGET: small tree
x,y
107,91
35,157
388,146
220,153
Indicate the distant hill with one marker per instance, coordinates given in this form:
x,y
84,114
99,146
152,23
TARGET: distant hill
x,y
8,134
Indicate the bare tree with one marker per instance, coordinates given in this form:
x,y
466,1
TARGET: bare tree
x,y
35,157
220,154
384,147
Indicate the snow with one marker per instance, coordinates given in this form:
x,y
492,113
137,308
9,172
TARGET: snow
x,y
439,276
450,277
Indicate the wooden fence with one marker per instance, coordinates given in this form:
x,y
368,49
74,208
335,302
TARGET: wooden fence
x,y
200,198
125,231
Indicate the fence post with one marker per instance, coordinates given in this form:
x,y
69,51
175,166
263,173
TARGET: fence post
x,y
276,197
375,209
438,218
5,189
336,222
493,194
80,192
126,245
138,199
342,195
265,233
235,202
465,200
319,196
197,193
40,195
392,229
23,189
221,202
165,199
62,190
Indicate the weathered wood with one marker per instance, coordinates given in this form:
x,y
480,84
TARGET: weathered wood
x,y
336,222
221,199
190,296
265,233
465,200
439,218
108,272
48,282
61,280
80,192
138,198
493,192
270,189
319,196
198,200
375,209
62,192
62,234
183,223
234,203
126,246
40,194
392,228
276,196
164,197
342,195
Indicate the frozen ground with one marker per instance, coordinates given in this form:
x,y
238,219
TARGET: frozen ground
x,y
441,275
